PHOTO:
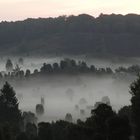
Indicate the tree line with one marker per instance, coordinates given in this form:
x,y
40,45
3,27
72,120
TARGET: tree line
x,y
105,35
64,67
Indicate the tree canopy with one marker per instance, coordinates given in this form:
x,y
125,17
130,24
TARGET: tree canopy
x,y
83,34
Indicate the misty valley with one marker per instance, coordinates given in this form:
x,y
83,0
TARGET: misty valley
x,y
68,85
72,98
71,77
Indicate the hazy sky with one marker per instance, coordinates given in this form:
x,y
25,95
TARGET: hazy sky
x,y
22,9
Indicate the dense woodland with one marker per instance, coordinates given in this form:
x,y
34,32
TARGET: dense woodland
x,y
106,35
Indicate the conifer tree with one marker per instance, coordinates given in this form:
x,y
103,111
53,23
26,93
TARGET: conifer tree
x,y
9,111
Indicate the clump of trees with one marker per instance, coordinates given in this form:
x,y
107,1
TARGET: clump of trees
x,y
134,69
64,67
68,117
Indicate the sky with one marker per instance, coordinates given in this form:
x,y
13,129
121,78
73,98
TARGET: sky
x,y
12,10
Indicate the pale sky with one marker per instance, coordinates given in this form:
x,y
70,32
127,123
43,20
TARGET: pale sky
x,y
12,10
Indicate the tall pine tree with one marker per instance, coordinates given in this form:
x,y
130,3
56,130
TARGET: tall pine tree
x,y
9,111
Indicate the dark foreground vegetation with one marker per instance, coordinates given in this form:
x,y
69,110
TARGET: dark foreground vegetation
x,y
103,124
105,35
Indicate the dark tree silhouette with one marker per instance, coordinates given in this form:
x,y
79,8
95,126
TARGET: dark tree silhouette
x,y
6,132
28,73
98,120
56,67
103,112
135,100
93,68
22,136
44,131
39,109
9,111
9,66
125,111
60,130
35,72
1,76
118,128
68,117
73,63
46,68
31,131
63,64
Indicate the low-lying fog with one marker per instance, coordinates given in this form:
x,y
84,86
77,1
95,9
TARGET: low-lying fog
x,y
61,96
72,94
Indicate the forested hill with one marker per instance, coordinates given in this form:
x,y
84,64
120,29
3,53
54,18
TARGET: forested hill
x,y
105,35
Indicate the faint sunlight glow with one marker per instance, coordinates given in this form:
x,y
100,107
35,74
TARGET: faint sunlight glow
x,y
21,9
